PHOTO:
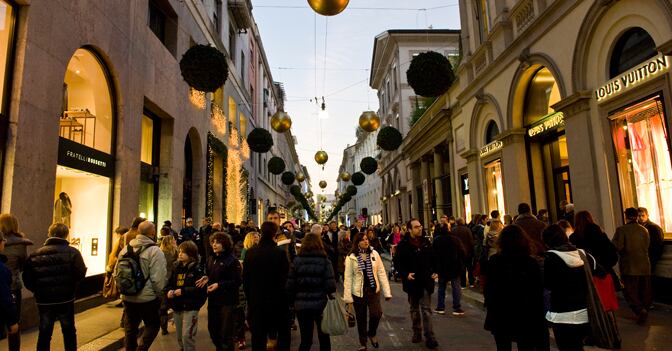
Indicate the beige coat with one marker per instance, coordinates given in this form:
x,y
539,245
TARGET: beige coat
x,y
353,282
632,242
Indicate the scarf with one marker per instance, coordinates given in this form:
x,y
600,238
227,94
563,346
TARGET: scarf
x,y
366,266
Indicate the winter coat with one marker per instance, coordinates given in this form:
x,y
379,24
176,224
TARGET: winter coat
x,y
464,234
8,315
224,269
344,247
594,241
449,254
184,277
265,277
419,260
188,233
514,296
632,243
153,265
533,227
53,272
16,251
171,259
656,242
353,281
310,279
565,277
490,245
478,233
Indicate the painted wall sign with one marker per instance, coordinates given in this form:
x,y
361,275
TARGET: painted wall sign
x,y
492,147
546,124
629,79
78,156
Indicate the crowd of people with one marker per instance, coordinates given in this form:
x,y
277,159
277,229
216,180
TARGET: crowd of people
x,y
265,280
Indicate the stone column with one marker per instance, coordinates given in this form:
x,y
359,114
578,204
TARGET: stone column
x,y
438,189
515,180
426,197
415,206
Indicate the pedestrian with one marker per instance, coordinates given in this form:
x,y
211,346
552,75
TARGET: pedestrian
x,y
143,305
373,240
565,278
632,242
9,317
567,227
223,279
532,226
490,242
656,243
590,237
52,273
569,213
16,252
169,249
462,232
251,240
333,239
416,265
450,256
169,224
124,239
264,280
478,232
494,216
344,247
188,232
508,219
310,282
363,282
514,293
203,243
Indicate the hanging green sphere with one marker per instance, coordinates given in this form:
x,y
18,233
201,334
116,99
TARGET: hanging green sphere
x,y
276,165
287,178
368,165
358,178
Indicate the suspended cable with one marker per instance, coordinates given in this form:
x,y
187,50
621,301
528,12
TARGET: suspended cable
x,y
363,8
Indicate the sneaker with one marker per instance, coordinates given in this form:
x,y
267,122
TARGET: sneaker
x,y
440,311
431,344
458,312
416,338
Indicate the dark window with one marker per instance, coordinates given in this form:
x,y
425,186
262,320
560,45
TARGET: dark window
x,y
157,21
491,132
242,66
162,21
218,17
633,47
232,44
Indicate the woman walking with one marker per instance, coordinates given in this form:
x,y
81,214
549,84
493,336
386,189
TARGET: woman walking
x,y
169,249
364,280
310,280
514,293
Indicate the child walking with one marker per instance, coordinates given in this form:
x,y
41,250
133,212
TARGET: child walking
x,y
184,297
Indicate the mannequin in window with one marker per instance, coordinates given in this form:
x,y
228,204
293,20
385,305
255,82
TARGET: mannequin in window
x,y
62,209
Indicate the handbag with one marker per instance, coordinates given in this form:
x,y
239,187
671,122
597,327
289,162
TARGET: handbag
x,y
603,329
110,290
333,318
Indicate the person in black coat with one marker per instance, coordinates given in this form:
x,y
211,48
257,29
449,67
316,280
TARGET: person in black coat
x,y
310,280
449,254
414,259
264,281
590,237
514,293
52,273
8,316
656,237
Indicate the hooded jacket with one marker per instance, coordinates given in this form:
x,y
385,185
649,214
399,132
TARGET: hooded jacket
x,y
565,277
16,251
353,281
184,277
153,265
53,272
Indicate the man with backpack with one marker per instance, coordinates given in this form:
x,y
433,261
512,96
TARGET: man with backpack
x,y
141,277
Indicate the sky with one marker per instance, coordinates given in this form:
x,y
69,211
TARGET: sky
x,y
296,40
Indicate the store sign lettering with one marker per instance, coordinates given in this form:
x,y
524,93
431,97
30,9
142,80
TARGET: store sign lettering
x,y
77,156
551,122
633,77
83,158
492,147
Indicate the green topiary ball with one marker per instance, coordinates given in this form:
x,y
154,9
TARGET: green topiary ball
x,y
358,178
368,165
430,74
389,138
276,165
260,140
294,190
204,68
351,190
287,178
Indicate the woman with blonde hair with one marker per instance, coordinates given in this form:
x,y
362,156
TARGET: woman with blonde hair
x,y
251,240
491,238
169,249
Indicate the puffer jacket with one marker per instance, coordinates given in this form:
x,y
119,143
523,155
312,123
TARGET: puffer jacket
x,y
16,250
53,271
353,281
184,277
8,315
310,279
153,265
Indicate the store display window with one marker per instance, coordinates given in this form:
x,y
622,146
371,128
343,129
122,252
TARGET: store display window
x,y
642,148
6,34
494,187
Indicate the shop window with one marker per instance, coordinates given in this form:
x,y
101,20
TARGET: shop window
x,y
542,93
147,140
491,132
232,111
149,167
6,33
243,126
494,186
632,48
642,149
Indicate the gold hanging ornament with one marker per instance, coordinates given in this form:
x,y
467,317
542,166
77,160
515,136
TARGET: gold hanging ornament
x,y
369,121
281,122
328,7
321,157
323,184
300,177
345,176
309,195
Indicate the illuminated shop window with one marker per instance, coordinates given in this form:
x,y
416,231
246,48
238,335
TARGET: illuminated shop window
x,y
147,140
542,93
494,187
6,32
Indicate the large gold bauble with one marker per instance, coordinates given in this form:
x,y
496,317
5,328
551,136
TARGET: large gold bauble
x,y
309,195
321,157
300,177
323,184
281,122
328,7
369,121
345,176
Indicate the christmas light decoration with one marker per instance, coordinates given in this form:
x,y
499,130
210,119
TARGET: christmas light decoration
x,y
218,119
236,187
197,98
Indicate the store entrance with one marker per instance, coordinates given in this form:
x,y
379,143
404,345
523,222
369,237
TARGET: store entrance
x,y
556,173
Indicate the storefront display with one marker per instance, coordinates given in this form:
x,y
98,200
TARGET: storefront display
x,y
641,143
466,198
494,190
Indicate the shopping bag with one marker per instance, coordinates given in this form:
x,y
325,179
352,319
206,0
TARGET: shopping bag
x,y
603,328
333,318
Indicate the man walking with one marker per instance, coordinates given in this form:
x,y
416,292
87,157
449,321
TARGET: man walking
x,y
532,226
656,243
145,304
462,232
449,255
52,273
632,242
414,259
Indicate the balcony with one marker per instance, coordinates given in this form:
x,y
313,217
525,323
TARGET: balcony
x,y
241,11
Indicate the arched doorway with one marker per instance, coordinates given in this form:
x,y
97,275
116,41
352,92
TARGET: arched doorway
x,y
85,170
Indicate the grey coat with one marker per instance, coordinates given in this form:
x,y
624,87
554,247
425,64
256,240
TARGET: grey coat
x,y
16,250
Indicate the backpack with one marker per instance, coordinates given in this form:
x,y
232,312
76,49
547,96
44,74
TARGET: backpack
x,y
129,276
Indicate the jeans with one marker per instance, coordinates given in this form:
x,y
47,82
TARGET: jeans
x,y
308,319
186,326
148,313
569,337
421,314
456,290
14,340
370,300
637,292
221,321
49,314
